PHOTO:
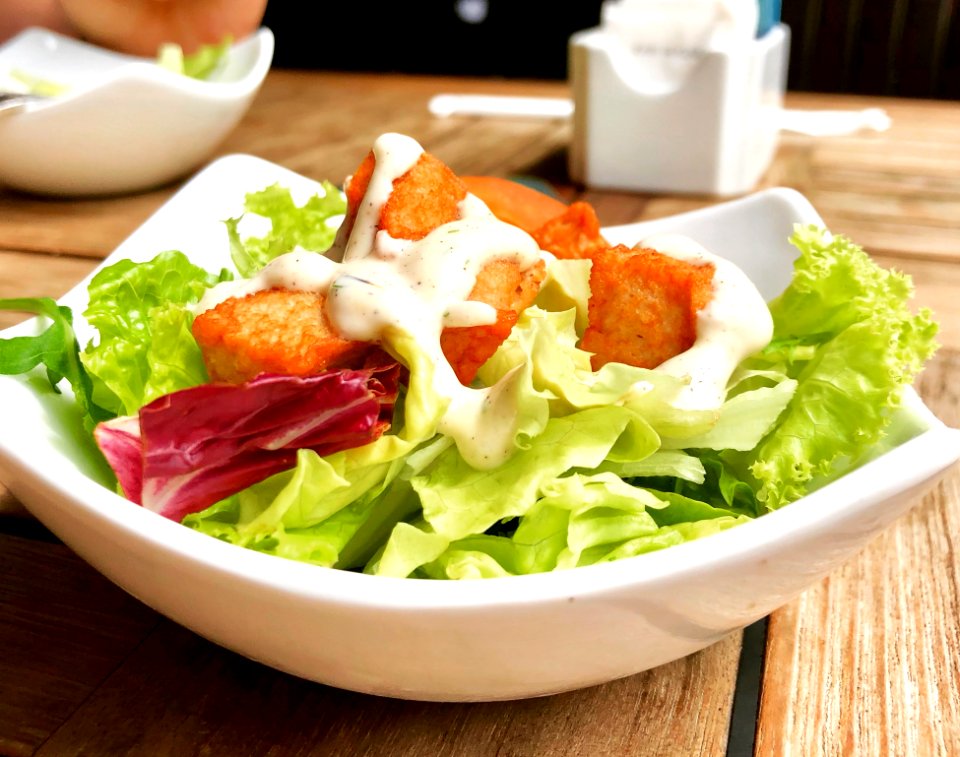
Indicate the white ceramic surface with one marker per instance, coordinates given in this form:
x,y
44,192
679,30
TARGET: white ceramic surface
x,y
631,110
124,124
481,640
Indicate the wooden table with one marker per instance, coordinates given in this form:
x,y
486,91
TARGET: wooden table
x,y
865,663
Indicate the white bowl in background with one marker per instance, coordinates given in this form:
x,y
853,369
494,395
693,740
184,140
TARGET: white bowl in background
x,y
124,123
498,638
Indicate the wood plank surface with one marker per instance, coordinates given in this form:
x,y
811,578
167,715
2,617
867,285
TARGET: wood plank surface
x,y
32,274
63,631
864,663
868,661
88,670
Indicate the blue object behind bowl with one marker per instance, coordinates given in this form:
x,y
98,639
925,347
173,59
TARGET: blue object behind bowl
x,y
769,16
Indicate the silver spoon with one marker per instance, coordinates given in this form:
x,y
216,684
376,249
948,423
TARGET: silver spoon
x,y
11,101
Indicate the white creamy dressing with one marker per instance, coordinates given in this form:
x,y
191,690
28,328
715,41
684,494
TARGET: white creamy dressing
x,y
734,324
374,283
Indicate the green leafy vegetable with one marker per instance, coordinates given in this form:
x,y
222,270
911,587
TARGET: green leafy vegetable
x,y
600,473
197,65
844,330
311,226
143,314
56,349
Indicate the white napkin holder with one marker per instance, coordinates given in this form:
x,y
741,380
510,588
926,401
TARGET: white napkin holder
x,y
708,125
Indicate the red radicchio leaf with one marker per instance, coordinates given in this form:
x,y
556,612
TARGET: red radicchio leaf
x,y
190,449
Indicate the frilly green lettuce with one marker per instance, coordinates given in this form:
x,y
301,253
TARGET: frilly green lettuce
x,y
311,226
844,331
143,313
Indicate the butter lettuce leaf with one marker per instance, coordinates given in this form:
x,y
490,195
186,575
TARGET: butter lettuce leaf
x,y
143,314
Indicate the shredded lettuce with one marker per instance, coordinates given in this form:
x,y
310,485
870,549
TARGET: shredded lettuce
x,y
198,64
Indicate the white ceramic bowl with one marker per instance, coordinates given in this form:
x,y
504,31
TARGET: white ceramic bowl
x,y
124,124
479,640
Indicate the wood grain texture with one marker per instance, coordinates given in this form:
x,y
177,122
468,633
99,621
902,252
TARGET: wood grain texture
x,y
897,193
868,661
63,630
88,670
91,227
232,706
865,663
29,274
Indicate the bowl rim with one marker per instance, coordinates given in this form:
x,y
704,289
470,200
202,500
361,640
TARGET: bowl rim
x,y
937,448
145,71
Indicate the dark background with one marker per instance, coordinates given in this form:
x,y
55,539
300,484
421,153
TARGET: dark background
x,y
909,48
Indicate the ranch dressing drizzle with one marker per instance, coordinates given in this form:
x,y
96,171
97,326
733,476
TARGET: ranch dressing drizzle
x,y
734,324
419,287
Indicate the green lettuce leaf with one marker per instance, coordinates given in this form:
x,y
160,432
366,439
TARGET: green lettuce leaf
x,y
198,64
844,331
579,520
56,349
143,314
311,226
332,511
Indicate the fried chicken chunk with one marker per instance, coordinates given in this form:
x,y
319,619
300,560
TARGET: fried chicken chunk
x,y
502,285
573,234
643,306
283,331
272,331
423,198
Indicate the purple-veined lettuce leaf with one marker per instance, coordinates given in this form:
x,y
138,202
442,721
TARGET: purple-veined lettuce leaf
x,y
191,448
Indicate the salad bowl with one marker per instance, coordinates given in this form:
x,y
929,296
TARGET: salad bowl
x,y
116,123
490,639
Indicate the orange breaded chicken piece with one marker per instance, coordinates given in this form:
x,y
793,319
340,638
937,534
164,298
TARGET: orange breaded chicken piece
x,y
568,231
573,234
272,331
643,306
282,331
423,198
502,285
469,347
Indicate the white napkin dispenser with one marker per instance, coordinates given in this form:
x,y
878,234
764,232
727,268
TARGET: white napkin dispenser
x,y
704,124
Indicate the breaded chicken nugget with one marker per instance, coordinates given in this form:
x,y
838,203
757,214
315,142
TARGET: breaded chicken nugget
x,y
574,234
502,285
468,348
643,306
423,198
272,331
